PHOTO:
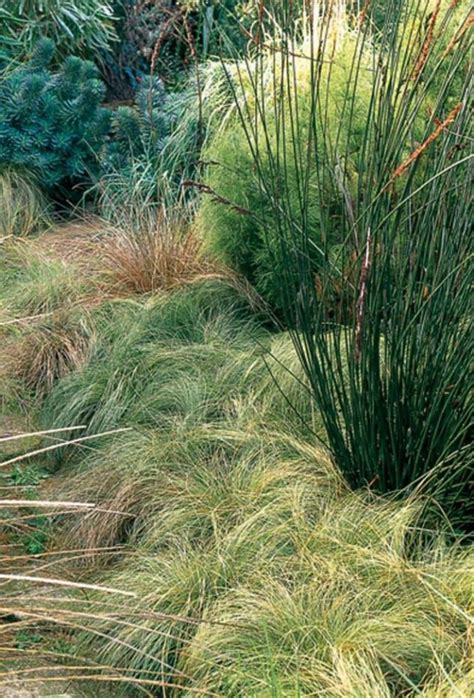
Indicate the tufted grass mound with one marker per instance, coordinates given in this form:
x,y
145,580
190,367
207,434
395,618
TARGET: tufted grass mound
x,y
24,208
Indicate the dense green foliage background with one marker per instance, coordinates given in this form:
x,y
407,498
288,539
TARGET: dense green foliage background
x,y
236,332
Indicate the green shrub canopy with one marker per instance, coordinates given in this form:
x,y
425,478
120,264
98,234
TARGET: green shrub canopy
x,y
237,223
51,123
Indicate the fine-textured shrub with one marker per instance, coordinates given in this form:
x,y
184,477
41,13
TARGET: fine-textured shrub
x,y
242,204
23,207
51,123
82,27
294,144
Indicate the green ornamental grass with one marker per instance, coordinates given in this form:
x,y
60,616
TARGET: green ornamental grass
x,y
376,290
270,520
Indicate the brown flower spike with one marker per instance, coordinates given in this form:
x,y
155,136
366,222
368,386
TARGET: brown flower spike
x,y
431,138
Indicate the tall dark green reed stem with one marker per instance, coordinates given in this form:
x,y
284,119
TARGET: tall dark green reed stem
x,y
384,326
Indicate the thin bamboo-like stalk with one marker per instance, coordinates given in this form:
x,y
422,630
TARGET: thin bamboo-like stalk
x,y
388,370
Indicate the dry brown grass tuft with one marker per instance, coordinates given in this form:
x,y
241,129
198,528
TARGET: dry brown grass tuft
x,y
50,349
162,254
76,242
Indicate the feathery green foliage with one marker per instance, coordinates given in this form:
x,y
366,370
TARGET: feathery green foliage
x,y
301,108
238,218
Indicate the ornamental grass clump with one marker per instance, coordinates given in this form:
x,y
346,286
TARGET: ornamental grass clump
x,y
131,163
188,476
46,328
49,349
34,285
283,588
358,612
23,206
158,357
370,175
286,584
157,250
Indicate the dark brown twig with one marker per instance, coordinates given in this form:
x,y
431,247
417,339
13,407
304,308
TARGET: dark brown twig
x,y
205,189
